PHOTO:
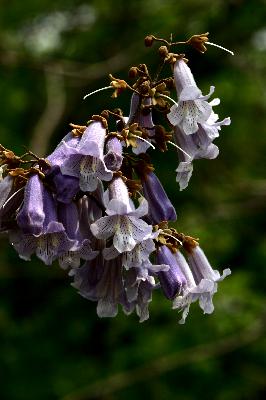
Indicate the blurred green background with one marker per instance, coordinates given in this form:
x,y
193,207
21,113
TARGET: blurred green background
x,y
52,344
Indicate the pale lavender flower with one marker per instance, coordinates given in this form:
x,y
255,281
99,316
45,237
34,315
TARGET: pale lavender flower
x,y
192,106
68,215
138,259
31,216
138,293
51,240
85,161
123,220
196,146
201,267
201,283
100,280
113,158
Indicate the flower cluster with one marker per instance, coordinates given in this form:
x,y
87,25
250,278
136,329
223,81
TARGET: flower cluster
x,y
96,205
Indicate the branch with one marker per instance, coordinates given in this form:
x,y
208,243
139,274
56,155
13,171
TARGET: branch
x,y
52,114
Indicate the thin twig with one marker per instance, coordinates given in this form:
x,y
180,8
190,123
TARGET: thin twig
x,y
52,114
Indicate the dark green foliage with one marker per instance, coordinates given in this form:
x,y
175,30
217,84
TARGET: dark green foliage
x,y
53,346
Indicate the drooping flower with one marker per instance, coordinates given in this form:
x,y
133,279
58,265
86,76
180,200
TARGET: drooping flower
x,y
201,281
30,218
193,107
138,293
123,222
196,146
46,237
160,207
65,187
201,267
85,161
100,280
68,215
113,158
173,280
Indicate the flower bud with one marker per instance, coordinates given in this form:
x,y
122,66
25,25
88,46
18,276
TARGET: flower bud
x,y
133,72
163,51
148,40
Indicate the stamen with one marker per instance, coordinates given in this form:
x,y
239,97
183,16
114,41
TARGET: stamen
x,y
96,91
220,47
144,140
179,148
169,98
167,234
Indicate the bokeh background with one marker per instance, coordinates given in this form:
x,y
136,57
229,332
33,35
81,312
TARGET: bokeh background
x,y
52,344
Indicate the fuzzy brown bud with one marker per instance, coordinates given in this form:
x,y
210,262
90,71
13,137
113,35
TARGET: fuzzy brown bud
x,y
163,51
148,40
144,88
133,72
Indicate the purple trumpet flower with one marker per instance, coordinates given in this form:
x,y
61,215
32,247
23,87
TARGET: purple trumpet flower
x,y
172,281
68,215
201,267
138,293
51,240
101,281
160,207
196,146
192,107
123,221
31,216
65,187
86,160
113,158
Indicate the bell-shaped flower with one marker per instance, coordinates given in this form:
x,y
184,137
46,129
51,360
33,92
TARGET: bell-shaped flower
x,y
85,161
138,259
50,242
192,107
160,207
31,216
200,287
173,280
196,146
201,267
138,293
123,221
113,158
65,187
68,215
100,280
